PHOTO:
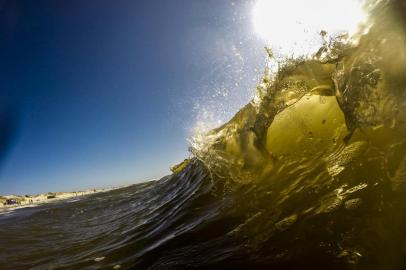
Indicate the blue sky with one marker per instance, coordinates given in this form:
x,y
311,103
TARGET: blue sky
x,y
103,93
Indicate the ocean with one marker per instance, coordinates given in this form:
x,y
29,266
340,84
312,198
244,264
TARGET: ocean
x,y
309,175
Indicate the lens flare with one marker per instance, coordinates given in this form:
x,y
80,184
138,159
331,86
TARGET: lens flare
x,y
293,26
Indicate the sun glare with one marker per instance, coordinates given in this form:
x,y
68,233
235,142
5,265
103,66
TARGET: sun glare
x,y
293,26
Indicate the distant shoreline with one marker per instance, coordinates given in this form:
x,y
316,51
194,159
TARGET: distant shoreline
x,y
18,201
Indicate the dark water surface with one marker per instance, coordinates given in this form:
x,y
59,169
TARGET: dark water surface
x,y
192,221
150,225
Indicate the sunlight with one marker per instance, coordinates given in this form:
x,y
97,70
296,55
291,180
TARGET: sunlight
x,y
293,26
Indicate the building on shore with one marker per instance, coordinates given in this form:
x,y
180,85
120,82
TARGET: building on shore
x,y
51,195
3,201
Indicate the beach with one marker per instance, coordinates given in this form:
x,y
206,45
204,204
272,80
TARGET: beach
x,y
18,201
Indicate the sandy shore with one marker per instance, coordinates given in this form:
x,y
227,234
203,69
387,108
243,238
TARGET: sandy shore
x,y
17,201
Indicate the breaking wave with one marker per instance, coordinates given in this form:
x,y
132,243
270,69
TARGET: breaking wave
x,y
310,174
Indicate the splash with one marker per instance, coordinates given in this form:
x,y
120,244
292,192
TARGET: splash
x,y
292,27
347,91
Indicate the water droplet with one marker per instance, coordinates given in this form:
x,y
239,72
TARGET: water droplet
x,y
99,259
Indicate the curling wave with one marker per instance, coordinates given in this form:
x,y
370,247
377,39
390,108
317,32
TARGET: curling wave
x,y
310,174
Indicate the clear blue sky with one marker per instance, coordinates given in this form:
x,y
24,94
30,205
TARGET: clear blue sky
x,y
97,93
